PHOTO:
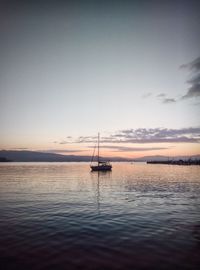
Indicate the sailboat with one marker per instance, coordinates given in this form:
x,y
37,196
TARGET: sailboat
x,y
101,165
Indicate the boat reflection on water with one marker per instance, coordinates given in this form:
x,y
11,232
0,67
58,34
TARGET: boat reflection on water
x,y
97,177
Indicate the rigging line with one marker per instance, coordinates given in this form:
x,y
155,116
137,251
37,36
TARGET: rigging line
x,y
93,154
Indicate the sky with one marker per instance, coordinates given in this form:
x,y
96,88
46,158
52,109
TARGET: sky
x,y
127,69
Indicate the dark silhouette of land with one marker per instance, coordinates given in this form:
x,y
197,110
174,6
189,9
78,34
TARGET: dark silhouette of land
x,y
176,162
3,159
33,156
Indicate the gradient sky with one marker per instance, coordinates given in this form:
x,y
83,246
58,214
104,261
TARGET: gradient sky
x,y
129,69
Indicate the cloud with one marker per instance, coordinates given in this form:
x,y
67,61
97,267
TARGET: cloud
x,y
160,135
193,91
147,95
61,151
20,148
134,149
144,135
161,95
194,82
63,142
193,66
168,100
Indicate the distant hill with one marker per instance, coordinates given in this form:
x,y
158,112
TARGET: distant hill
x,y
3,159
164,158
32,156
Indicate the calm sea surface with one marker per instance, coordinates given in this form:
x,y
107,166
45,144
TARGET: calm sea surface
x,y
62,216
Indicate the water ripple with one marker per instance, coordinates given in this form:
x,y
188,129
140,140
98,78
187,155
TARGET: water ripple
x,y
59,215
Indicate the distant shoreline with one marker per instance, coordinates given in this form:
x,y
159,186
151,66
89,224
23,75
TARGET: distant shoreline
x,y
3,159
156,162
34,156
176,162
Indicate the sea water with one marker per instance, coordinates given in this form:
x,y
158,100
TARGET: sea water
x,y
62,216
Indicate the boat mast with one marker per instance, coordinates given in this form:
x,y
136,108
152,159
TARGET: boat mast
x,y
98,149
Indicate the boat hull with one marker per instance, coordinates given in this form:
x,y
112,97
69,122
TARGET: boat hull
x,y
101,168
